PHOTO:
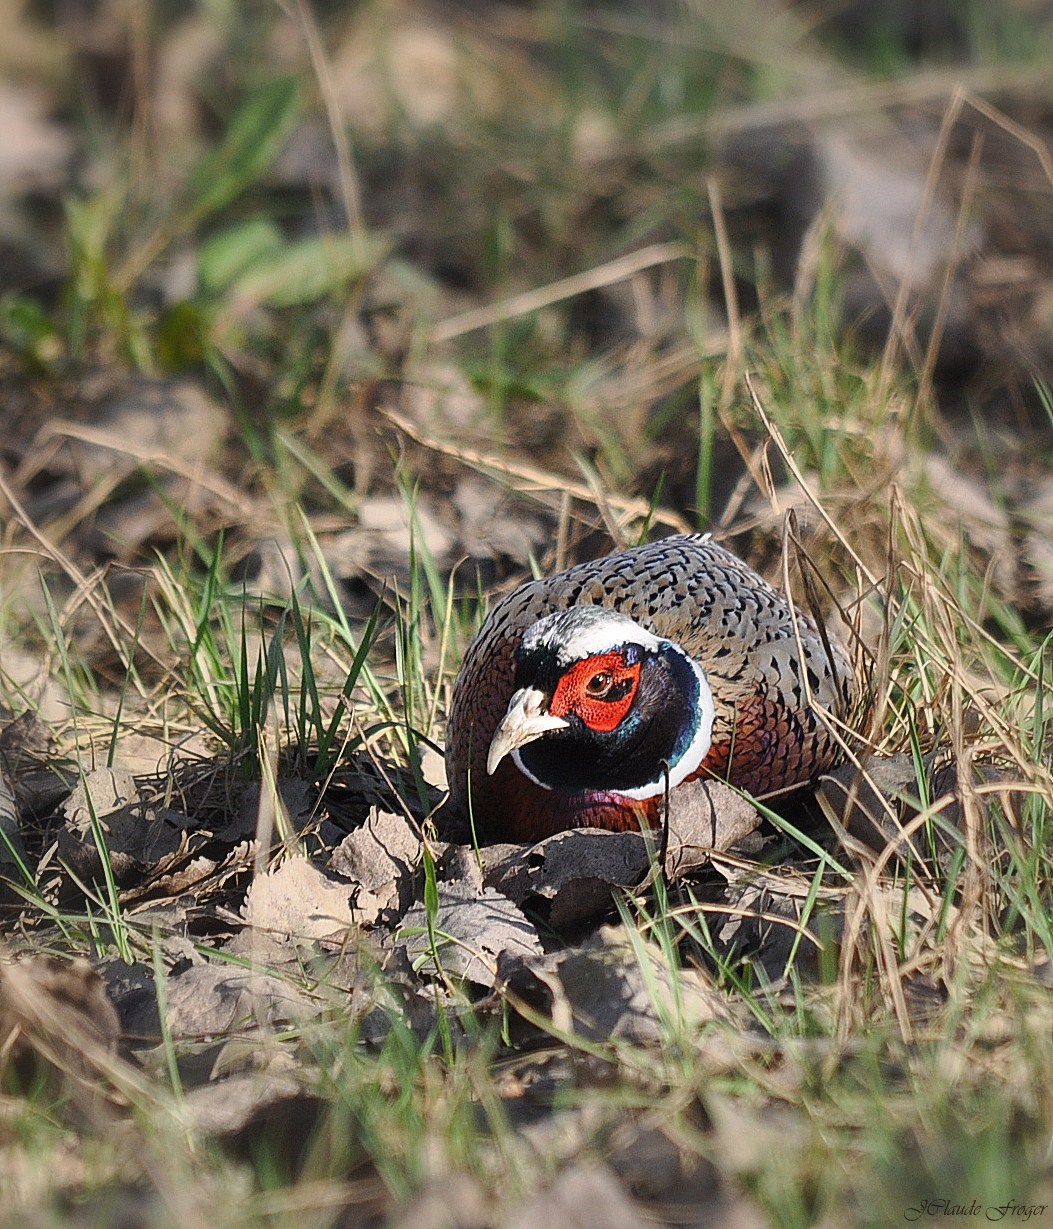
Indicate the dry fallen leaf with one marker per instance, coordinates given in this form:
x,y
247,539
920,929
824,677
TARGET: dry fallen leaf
x,y
473,930
656,1169
877,185
1036,514
706,817
174,421
34,152
497,528
381,858
27,754
448,1201
210,1000
11,847
601,991
295,796
575,871
875,804
582,1197
55,1015
300,900
871,805
242,1107
138,835
985,523
25,738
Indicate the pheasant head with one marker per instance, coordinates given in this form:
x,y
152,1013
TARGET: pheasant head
x,y
603,705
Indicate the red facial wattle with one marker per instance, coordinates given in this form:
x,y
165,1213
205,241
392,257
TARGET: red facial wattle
x,y
600,690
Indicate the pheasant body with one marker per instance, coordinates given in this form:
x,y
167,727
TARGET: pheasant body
x,y
695,665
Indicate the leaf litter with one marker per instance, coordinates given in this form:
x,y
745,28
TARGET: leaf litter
x,y
530,927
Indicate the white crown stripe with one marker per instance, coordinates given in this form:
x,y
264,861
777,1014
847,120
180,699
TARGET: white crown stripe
x,y
587,636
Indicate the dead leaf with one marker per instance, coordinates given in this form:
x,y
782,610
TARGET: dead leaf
x,y
985,523
420,70
34,152
300,900
138,835
186,55
706,817
439,396
174,421
69,986
658,1171
246,1108
602,991
295,795
1036,513
463,865
11,847
947,780
56,1014
873,804
451,1201
582,1197
212,999
575,871
497,527
175,883
763,921
27,753
381,858
388,534
433,768
748,1133
877,184
26,738
131,990
473,930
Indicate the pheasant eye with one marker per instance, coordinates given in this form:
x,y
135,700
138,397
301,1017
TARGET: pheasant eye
x,y
599,684
597,691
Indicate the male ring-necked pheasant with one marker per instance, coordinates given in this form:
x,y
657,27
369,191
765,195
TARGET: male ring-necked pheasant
x,y
583,689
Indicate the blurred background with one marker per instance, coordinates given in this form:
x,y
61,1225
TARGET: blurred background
x,y
511,255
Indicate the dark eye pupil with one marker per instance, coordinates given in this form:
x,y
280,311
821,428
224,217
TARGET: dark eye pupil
x,y
598,684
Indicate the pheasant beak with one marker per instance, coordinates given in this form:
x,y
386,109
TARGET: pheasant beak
x,y
524,721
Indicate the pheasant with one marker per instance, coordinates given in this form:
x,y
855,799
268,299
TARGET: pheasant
x,y
586,694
